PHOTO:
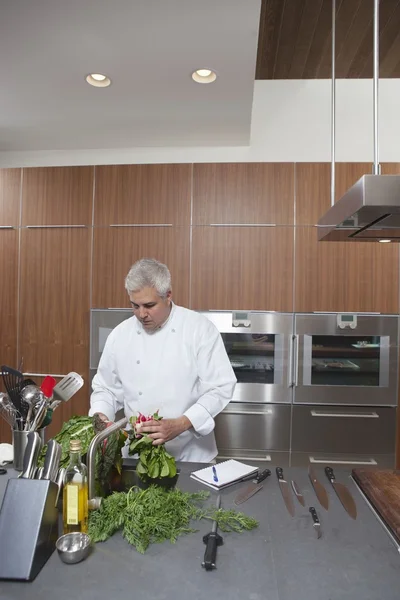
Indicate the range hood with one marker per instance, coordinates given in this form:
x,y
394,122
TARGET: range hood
x,y
368,211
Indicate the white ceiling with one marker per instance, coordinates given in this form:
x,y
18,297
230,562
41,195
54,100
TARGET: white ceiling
x,y
149,49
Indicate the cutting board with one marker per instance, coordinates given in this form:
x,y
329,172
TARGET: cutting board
x,y
382,488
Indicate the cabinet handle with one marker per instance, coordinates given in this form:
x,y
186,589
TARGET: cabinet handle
x,y
43,375
141,225
326,460
296,360
56,226
266,458
369,415
248,412
6,227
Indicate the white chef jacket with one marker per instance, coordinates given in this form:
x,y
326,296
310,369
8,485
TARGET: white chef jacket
x,y
180,369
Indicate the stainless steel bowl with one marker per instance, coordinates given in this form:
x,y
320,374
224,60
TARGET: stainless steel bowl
x,y
73,547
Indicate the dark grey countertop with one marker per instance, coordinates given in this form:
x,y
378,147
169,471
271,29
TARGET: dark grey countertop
x,y
280,560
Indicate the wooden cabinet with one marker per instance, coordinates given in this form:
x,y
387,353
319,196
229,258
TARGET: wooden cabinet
x,y
57,196
10,196
345,276
143,194
8,308
54,300
313,187
117,248
242,268
241,193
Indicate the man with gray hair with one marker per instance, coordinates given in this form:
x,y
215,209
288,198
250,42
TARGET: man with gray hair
x,y
169,358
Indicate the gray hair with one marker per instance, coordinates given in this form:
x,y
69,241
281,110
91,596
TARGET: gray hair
x,y
148,272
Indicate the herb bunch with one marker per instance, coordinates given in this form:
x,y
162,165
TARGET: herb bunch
x,y
157,515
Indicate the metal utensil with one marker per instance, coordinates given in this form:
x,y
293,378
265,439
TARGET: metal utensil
x,y
30,394
8,410
68,386
319,489
12,381
31,455
51,460
41,409
251,489
212,541
343,493
285,489
316,523
297,493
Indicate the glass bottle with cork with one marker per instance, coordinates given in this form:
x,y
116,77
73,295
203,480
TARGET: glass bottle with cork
x,y
75,495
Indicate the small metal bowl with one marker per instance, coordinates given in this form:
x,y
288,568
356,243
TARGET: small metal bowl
x,y
73,547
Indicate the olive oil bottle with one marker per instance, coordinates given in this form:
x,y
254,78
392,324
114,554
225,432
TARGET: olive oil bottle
x,y
75,495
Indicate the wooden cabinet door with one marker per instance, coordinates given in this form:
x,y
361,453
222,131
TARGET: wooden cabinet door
x,y
313,187
55,306
242,268
143,194
345,276
8,308
57,196
10,197
243,193
115,249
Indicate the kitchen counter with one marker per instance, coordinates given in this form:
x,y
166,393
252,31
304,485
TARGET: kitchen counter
x,y
280,560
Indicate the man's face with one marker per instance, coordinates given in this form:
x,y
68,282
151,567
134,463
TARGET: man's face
x,y
149,308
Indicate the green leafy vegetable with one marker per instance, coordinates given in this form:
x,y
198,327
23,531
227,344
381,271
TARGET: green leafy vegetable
x,y
157,515
154,461
77,427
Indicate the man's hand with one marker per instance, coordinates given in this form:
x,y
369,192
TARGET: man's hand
x,y
164,430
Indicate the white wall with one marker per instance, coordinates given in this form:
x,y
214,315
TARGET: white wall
x,y
290,123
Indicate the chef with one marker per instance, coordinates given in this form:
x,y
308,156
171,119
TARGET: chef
x,y
167,358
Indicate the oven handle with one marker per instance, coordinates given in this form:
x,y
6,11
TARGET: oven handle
x,y
367,415
268,411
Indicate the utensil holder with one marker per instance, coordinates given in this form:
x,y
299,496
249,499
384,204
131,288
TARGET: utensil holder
x,y
19,442
29,527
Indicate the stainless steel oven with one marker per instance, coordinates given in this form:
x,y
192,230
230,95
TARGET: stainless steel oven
x,y
259,348
346,359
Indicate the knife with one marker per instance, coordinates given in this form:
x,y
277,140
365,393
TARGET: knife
x,y
297,493
318,488
287,497
212,540
343,493
316,523
254,487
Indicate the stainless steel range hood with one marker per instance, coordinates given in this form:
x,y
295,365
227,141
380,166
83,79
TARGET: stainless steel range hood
x,y
368,211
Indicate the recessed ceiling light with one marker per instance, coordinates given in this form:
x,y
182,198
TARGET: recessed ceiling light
x,y
98,80
384,241
204,76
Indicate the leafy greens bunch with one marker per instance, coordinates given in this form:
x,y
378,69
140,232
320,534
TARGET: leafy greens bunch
x,y
154,461
156,515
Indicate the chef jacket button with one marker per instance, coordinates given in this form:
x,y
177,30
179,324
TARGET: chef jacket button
x,y
140,393
139,332
138,362
173,330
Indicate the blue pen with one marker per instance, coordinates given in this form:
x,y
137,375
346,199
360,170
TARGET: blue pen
x,y
215,476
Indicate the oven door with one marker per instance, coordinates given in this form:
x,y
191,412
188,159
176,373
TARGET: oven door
x,y
346,359
259,347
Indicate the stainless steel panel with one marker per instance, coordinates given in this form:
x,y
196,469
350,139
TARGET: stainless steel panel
x,y
382,382
279,325
256,427
343,430
102,322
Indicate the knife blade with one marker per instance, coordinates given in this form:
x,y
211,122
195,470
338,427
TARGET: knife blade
x,y
342,493
319,489
285,490
297,493
251,489
316,523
